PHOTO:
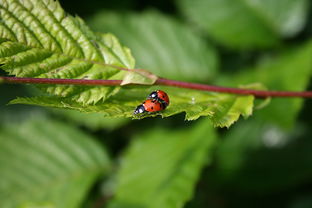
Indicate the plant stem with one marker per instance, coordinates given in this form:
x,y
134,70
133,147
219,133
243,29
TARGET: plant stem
x,y
213,88
160,81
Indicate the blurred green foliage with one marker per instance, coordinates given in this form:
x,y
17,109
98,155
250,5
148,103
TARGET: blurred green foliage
x,y
254,24
52,158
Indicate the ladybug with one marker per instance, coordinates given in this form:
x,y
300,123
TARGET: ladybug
x,y
160,96
149,105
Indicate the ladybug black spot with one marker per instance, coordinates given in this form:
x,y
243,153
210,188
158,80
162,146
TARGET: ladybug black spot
x,y
152,108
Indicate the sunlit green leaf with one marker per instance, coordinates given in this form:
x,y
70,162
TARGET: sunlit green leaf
x,y
38,39
47,163
161,168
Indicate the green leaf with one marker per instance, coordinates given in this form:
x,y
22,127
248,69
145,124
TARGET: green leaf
x,y
247,23
161,168
222,109
44,163
161,44
38,39
289,70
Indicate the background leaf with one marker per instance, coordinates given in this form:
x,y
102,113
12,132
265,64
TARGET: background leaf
x,y
161,167
254,153
247,23
47,163
161,44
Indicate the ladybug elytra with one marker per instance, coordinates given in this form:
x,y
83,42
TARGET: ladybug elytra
x,y
160,96
156,101
149,105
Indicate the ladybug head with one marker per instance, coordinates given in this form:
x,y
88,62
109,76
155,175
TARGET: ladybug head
x,y
153,95
139,109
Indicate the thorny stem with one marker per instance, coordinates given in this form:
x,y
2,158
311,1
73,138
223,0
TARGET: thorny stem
x,y
159,81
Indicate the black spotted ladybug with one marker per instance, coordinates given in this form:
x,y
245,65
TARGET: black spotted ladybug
x,y
160,96
149,105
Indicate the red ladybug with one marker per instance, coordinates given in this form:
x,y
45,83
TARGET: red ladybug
x,y
149,105
160,96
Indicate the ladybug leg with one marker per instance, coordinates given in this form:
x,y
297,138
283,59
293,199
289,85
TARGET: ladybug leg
x,y
155,113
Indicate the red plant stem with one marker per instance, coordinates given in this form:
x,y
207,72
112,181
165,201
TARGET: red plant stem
x,y
213,88
160,81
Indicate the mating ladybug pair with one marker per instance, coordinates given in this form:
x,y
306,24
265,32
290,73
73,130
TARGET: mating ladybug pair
x,y
156,101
